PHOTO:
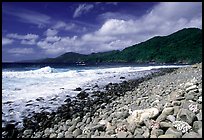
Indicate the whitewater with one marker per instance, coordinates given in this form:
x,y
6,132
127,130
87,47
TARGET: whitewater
x,y
31,91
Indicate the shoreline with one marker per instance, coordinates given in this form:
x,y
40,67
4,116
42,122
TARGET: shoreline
x,y
70,118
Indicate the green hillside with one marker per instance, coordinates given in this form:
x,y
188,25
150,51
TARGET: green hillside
x,y
184,46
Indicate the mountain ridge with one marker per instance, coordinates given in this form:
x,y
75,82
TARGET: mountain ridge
x,y
183,46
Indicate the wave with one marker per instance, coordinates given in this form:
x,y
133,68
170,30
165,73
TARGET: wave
x,y
30,73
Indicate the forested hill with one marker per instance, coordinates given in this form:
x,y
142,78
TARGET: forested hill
x,y
184,46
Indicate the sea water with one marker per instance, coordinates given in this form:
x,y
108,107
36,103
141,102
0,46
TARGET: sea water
x,y
51,84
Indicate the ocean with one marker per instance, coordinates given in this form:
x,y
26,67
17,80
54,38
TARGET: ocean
x,y
29,88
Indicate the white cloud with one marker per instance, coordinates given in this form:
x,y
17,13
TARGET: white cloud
x,y
58,45
28,42
175,17
51,32
29,39
21,51
28,36
52,39
82,9
6,41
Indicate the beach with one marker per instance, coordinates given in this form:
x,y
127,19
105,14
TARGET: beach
x,y
164,104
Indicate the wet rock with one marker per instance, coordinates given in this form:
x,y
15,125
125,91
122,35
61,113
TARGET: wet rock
x,y
28,132
40,99
122,77
191,135
38,135
82,95
186,116
78,89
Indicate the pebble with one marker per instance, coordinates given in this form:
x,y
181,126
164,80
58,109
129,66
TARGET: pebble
x,y
60,135
122,134
77,132
68,134
53,135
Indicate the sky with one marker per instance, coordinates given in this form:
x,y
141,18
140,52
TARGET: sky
x,y
35,30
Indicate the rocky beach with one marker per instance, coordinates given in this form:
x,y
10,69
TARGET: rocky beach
x,y
164,104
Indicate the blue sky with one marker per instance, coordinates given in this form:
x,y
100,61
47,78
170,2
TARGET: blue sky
x,y
33,30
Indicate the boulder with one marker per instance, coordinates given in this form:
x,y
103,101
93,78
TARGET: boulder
x,y
138,116
156,132
191,135
171,118
199,116
197,125
200,132
186,116
122,134
166,111
68,134
174,132
77,132
165,124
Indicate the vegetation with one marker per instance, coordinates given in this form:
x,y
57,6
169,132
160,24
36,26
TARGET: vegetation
x,y
184,46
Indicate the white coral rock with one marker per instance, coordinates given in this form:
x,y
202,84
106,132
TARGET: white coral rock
x,y
138,116
182,126
193,108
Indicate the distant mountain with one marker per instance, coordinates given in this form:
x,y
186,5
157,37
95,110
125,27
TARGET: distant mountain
x,y
184,46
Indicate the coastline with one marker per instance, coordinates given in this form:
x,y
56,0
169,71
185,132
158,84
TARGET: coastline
x,y
105,113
